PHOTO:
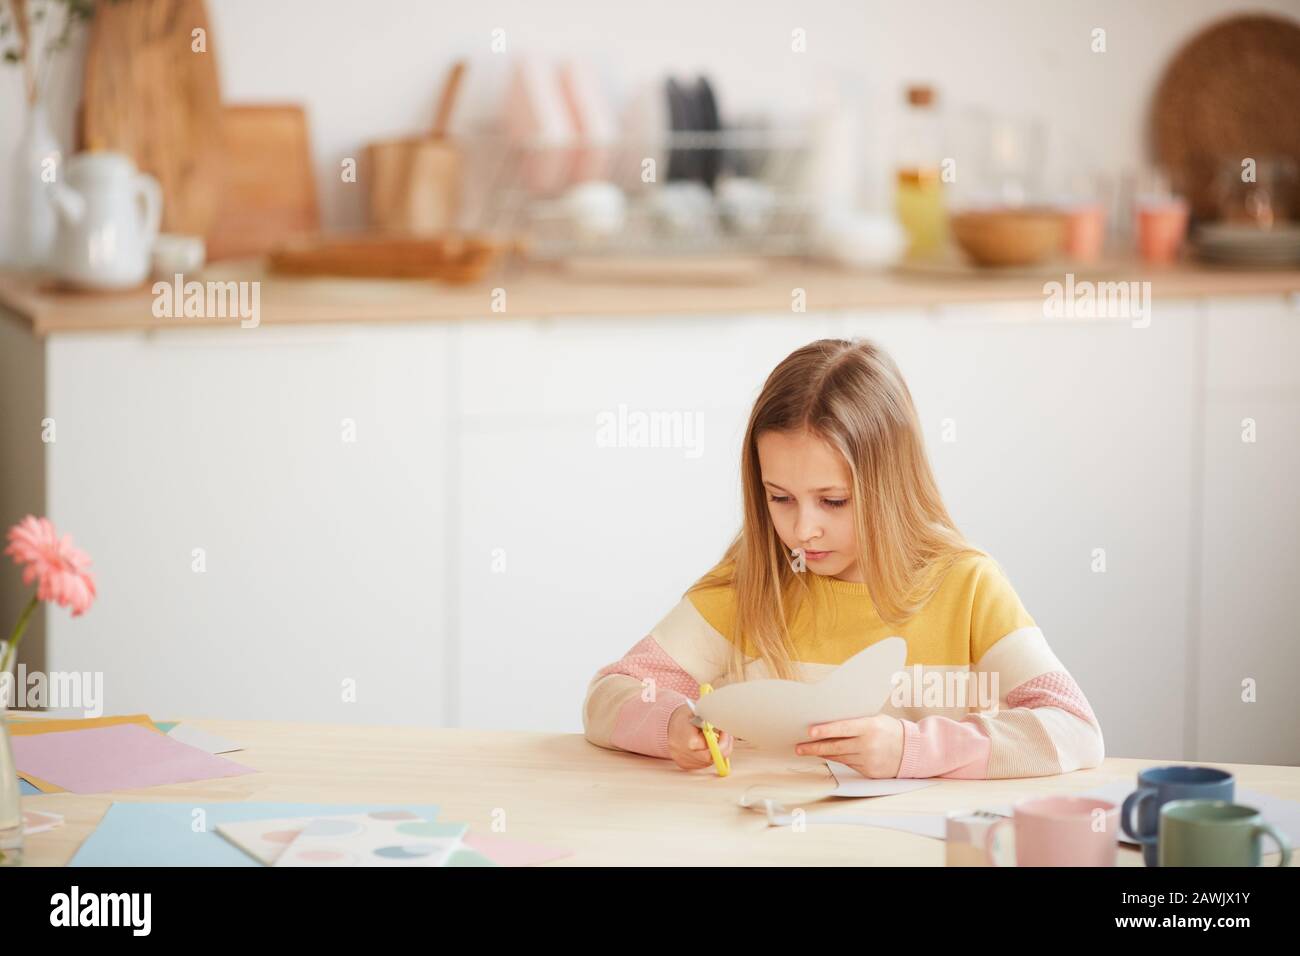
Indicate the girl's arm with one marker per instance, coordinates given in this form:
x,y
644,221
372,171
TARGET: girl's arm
x,y
1043,725
629,702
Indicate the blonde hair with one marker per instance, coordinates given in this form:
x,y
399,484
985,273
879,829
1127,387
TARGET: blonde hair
x,y
850,394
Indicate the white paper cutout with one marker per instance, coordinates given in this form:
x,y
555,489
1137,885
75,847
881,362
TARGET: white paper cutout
x,y
776,714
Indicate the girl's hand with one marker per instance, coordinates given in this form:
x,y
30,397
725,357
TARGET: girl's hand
x,y
873,746
686,743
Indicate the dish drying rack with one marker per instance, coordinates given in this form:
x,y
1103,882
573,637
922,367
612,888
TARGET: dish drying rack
x,y
772,214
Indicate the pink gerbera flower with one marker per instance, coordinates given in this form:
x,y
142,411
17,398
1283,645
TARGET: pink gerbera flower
x,y
57,565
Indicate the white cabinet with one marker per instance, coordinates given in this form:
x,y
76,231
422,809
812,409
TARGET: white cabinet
x,y
572,550
319,560
1249,609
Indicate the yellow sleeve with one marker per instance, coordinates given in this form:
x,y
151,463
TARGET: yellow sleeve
x,y
717,605
996,610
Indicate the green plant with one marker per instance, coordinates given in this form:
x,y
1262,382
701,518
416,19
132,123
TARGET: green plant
x,y
32,31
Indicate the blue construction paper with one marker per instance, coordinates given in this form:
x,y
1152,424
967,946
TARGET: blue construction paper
x,y
25,788
161,834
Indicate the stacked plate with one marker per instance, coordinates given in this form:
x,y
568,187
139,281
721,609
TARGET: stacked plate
x,y
1249,246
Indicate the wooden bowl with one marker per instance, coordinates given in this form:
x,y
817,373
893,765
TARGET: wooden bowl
x,y
1009,237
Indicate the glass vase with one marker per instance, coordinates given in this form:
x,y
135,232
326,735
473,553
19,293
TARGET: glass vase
x,y
11,808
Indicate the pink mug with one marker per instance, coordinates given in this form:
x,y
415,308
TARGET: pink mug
x,y
1060,831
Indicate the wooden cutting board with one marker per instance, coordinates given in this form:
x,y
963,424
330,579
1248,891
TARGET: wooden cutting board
x,y
267,191
148,94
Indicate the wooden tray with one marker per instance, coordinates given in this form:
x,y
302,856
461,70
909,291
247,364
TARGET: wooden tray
x,y
451,257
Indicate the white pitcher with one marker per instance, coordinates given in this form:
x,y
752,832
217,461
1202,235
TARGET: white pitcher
x,y
108,220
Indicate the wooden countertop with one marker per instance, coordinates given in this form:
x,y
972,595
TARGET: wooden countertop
x,y
536,291
610,808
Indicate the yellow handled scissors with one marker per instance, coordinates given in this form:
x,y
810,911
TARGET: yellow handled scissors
x,y
721,763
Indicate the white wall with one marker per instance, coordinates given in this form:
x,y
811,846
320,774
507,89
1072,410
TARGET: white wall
x,y
370,70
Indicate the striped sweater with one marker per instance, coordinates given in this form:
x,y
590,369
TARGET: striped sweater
x,y
982,696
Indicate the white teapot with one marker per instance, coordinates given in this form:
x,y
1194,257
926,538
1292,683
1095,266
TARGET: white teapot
x,y
108,221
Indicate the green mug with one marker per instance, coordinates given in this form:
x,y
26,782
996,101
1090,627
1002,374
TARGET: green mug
x,y
1214,833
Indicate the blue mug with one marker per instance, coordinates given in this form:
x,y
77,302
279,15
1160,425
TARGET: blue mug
x,y
1158,786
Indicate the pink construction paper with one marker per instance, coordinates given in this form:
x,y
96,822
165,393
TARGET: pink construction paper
x,y
505,852
117,757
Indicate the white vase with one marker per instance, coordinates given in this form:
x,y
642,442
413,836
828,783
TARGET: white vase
x,y
11,806
38,162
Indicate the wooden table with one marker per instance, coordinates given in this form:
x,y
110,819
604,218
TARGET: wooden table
x,y
610,808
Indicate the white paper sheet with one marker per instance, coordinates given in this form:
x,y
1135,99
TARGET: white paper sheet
x,y
38,821
853,784
844,782
195,737
922,824
776,714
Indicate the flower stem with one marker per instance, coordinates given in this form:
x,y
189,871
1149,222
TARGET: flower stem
x,y
11,649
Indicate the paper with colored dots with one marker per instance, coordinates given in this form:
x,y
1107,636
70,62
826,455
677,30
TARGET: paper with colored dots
x,y
383,838
264,840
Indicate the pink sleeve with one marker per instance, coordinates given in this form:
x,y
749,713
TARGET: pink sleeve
x,y
642,724
942,747
1053,689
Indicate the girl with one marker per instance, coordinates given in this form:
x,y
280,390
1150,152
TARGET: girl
x,y
845,542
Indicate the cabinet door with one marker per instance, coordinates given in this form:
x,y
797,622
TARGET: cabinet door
x,y
264,508
1051,439
1247,709
571,548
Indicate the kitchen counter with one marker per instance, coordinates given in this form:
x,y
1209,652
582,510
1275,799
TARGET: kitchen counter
x,y
537,292
609,808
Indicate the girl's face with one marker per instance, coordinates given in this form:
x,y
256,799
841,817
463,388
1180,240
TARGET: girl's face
x,y
810,498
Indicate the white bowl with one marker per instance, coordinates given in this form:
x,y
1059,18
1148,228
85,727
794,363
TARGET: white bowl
x,y
860,241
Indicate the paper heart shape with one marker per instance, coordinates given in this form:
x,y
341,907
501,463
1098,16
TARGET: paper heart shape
x,y
774,714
